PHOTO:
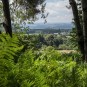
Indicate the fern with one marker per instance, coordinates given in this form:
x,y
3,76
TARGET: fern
x,y
9,46
8,49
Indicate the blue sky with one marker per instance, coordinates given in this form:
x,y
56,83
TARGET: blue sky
x,y
58,13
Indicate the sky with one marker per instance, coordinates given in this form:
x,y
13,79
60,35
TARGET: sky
x,y
58,13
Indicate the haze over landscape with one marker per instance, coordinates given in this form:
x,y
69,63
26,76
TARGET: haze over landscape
x,y
51,26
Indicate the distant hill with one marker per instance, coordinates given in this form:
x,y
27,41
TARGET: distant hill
x,y
51,26
49,31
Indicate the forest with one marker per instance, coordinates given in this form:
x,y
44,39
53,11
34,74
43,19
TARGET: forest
x,y
41,60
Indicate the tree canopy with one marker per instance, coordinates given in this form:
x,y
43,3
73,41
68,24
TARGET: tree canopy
x,y
21,10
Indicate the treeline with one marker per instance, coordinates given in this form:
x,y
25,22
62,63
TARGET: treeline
x,y
59,42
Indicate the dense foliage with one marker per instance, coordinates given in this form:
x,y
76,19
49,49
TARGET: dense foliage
x,y
44,67
26,11
62,42
35,60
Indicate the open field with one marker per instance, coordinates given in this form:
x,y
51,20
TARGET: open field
x,y
67,51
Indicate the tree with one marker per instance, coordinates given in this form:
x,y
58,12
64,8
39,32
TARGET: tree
x,y
84,10
27,10
22,9
7,19
81,25
78,26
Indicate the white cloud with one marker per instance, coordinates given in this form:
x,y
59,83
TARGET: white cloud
x,y
58,11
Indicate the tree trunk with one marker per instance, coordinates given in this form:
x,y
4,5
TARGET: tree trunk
x,y
7,19
78,26
84,9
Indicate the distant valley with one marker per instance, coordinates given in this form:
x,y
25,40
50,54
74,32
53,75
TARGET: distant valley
x,y
51,26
